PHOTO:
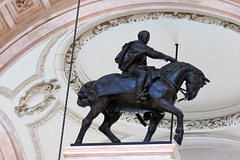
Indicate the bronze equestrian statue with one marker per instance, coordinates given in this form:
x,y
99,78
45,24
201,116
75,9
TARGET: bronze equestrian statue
x,y
114,94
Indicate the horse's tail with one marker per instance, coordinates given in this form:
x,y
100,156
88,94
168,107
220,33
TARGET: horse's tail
x,y
84,95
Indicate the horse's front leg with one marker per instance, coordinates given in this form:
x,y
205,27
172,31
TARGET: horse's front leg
x,y
154,120
168,107
87,121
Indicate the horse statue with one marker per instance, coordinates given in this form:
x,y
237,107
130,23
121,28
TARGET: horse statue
x,y
114,94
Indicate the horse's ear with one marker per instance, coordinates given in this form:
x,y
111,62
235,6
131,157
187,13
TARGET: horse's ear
x,y
206,80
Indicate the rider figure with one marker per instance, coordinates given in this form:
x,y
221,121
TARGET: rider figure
x,y
132,61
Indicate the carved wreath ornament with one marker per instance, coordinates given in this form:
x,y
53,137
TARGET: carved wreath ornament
x,y
37,98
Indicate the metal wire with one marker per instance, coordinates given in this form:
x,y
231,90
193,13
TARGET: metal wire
x,y
171,131
68,85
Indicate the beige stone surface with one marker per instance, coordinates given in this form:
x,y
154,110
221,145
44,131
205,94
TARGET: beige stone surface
x,y
123,152
36,137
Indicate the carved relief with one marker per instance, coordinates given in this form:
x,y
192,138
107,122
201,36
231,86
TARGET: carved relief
x,y
193,125
36,143
23,4
30,103
19,9
76,83
218,122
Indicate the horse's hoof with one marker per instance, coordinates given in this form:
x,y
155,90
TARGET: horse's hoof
x,y
118,141
78,142
179,131
178,139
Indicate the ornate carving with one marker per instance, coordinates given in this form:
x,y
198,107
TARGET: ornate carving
x,y
75,82
45,90
193,125
212,123
23,4
36,143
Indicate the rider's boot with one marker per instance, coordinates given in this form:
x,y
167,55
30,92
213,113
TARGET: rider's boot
x,y
147,116
141,93
141,97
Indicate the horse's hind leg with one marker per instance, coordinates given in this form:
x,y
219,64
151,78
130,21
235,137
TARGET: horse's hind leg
x,y
154,120
87,121
109,119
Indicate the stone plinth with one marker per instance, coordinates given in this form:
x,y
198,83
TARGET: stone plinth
x,y
123,152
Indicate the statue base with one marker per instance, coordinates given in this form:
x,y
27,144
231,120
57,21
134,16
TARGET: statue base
x,y
123,152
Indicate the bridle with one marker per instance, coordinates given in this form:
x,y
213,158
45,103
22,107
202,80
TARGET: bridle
x,y
183,91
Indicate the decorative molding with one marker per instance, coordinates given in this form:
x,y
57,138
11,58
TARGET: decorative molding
x,y
52,2
3,26
39,72
193,125
13,136
36,143
22,5
33,132
213,123
46,90
20,9
75,82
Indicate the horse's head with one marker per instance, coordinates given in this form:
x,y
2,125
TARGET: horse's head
x,y
178,72
194,82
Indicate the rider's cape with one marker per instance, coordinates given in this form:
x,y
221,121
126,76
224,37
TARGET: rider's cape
x,y
119,59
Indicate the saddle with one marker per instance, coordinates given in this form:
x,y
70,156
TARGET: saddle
x,y
123,83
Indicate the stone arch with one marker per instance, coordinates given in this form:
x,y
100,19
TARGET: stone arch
x,y
10,145
99,9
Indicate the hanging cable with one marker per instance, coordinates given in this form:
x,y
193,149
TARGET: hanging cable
x,y
69,78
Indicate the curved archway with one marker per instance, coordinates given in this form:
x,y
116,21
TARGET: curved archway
x,y
62,19
10,145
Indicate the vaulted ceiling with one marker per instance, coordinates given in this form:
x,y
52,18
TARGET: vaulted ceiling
x,y
35,47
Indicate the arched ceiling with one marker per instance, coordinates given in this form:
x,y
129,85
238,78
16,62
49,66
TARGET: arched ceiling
x,y
23,26
11,147
38,33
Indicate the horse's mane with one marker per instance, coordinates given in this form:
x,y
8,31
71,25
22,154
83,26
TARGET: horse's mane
x,y
173,67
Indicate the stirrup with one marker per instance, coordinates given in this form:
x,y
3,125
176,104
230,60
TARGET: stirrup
x,y
141,97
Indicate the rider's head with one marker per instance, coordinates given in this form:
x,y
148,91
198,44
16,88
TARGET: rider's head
x,y
144,36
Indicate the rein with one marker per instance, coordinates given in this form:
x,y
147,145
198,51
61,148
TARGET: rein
x,y
183,91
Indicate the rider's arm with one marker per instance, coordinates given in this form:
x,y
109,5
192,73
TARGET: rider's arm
x,y
159,55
